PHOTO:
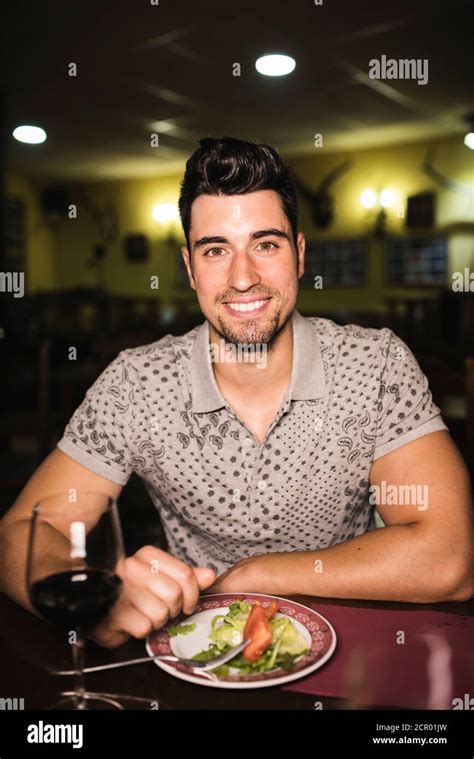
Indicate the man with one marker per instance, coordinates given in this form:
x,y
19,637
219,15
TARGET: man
x,y
265,468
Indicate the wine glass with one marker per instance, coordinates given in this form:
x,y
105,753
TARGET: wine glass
x,y
74,548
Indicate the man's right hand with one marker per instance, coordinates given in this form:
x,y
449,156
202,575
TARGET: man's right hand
x,y
156,588
156,585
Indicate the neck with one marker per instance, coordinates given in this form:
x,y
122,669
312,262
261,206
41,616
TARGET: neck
x,y
257,376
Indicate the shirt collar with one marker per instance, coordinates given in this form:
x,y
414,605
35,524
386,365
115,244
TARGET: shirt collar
x,y
307,374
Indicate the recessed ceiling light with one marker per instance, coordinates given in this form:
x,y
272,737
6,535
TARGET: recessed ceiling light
x,y
275,65
33,135
469,136
469,140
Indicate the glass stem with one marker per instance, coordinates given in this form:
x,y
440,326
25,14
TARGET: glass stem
x,y
78,658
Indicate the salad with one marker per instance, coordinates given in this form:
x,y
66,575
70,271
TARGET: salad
x,y
274,641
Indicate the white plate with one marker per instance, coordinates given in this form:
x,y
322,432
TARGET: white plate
x,y
317,631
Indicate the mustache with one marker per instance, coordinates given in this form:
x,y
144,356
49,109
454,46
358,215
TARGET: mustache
x,y
230,296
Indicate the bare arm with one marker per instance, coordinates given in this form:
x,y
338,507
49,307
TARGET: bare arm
x,y
422,555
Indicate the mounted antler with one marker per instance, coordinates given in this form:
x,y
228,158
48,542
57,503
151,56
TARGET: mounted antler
x,y
440,179
320,201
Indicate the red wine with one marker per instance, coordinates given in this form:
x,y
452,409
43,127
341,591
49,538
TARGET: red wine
x,y
76,599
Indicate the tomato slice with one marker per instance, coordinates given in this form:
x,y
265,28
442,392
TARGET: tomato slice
x,y
258,630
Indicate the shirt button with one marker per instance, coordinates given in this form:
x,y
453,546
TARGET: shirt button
x,y
261,484
248,442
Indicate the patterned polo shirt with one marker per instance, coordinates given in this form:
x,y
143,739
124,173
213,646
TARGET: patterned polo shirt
x,y
354,395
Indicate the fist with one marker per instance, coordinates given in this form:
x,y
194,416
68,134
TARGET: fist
x,y
156,588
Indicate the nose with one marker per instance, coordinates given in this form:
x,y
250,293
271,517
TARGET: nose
x,y
243,273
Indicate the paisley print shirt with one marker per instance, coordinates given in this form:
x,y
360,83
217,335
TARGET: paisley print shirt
x,y
355,394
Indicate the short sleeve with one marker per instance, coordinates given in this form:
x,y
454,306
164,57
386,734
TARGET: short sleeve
x,y
405,406
96,434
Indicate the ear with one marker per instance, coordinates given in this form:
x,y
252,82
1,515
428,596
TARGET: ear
x,y
187,262
301,247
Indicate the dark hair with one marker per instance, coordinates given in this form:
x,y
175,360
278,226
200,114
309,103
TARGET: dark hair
x,y
228,166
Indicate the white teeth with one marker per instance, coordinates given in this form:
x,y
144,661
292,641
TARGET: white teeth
x,y
247,306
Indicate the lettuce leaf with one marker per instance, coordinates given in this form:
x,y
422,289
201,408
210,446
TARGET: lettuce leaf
x,y
181,629
227,632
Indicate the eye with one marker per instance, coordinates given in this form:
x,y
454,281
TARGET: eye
x,y
211,251
269,242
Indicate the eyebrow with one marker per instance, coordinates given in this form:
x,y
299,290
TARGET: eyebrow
x,y
273,232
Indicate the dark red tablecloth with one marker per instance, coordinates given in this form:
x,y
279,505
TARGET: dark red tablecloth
x,y
413,659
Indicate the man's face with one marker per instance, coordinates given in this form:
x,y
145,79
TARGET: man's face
x,y
243,264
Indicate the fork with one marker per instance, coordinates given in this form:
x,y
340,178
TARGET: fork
x,y
198,666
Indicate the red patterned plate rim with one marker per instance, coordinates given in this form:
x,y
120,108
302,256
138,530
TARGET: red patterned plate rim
x,y
322,633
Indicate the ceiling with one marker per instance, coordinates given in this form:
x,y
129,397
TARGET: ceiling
x,y
167,68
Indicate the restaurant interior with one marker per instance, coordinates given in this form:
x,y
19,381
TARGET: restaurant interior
x,y
384,169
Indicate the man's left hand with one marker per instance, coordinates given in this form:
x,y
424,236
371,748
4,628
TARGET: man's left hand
x,y
237,579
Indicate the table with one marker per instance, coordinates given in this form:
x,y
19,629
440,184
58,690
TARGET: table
x,y
28,645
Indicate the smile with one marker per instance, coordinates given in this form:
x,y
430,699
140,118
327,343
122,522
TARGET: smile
x,y
252,307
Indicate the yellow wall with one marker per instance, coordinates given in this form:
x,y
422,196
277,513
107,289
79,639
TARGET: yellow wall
x,y
133,201
57,257
398,168
41,271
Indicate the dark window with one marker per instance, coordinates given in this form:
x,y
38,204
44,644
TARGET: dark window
x,y
417,261
340,263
